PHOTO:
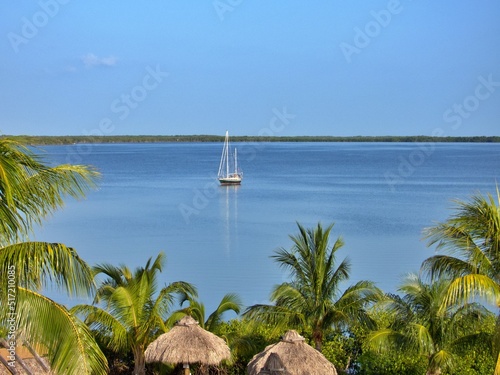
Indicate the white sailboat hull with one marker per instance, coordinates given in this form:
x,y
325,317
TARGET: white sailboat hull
x,y
230,180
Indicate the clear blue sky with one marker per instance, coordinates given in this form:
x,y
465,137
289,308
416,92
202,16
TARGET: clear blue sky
x,y
73,67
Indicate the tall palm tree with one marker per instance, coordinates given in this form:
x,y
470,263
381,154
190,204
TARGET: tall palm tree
x,y
313,301
421,326
29,191
471,237
132,310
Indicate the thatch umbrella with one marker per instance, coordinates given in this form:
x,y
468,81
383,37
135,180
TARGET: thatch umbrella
x,y
188,343
295,356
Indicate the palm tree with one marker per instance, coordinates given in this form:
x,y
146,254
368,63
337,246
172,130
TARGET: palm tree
x,y
196,309
29,191
471,237
421,326
312,300
132,309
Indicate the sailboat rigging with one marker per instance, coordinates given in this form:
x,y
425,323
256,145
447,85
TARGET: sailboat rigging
x,y
229,172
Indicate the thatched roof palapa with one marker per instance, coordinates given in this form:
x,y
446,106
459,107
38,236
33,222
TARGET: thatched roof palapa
x,y
294,355
188,343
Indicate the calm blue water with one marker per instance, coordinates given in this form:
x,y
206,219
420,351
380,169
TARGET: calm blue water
x,y
155,197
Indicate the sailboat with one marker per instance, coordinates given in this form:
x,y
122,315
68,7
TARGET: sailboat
x,y
229,173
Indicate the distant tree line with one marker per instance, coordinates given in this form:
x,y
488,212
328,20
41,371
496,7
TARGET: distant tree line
x,y
71,139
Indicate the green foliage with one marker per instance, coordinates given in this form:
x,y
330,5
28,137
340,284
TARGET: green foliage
x,y
472,358
421,326
132,311
30,190
470,239
313,302
341,350
476,358
196,309
250,339
67,336
474,362
391,363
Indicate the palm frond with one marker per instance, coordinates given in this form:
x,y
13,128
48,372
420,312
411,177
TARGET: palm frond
x,y
71,347
439,266
385,340
229,302
278,317
288,295
497,365
442,359
45,264
31,190
465,288
110,329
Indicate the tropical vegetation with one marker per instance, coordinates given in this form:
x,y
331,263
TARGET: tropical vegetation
x,y
313,302
30,190
129,311
471,241
196,309
420,325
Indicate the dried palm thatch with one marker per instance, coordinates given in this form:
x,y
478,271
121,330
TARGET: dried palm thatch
x,y
274,366
188,343
294,355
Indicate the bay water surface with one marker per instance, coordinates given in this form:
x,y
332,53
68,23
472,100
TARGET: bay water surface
x,y
165,197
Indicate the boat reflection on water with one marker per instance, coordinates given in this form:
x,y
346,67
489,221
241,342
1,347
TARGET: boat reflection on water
x,y
229,207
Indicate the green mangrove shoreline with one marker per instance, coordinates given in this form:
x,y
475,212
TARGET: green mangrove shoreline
x,y
72,139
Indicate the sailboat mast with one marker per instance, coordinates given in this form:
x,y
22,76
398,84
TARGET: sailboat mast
x,y
235,161
223,158
227,153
